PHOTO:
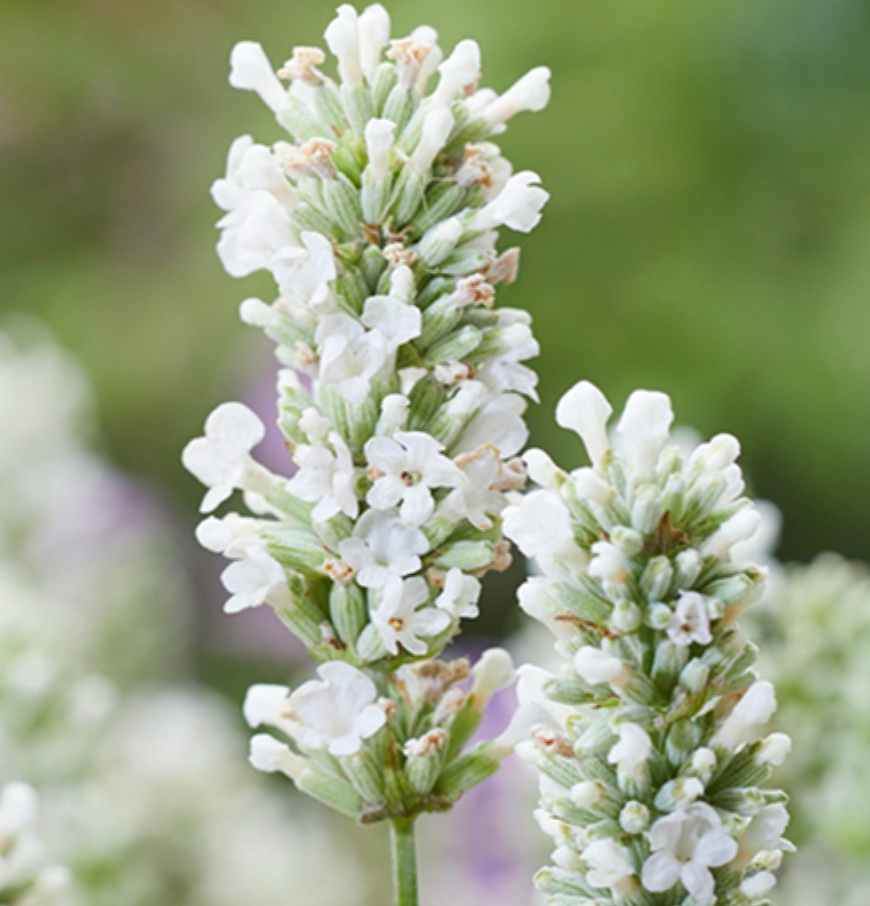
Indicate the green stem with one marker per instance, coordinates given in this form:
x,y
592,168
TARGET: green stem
x,y
404,862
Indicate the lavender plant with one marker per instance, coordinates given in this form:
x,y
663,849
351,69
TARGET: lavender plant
x,y
649,736
402,391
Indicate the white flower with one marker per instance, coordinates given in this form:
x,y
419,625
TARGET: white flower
x,y
475,499
250,70
503,373
736,530
304,273
531,92
764,832
459,72
411,465
752,712
608,866
253,580
230,535
374,33
686,845
437,127
460,595
342,38
632,751
517,206
595,666
326,477
494,671
382,547
690,622
584,409
540,525
221,459
379,136
338,711
396,321
609,564
402,617
350,355
266,703
269,755
644,427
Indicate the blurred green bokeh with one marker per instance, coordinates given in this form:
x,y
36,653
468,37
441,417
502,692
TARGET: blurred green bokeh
x,y
708,231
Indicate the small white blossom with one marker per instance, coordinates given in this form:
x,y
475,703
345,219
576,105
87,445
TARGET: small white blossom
x,y
437,127
338,711
632,751
494,671
459,72
752,712
460,595
410,465
304,273
644,428
595,666
403,619
379,136
250,70
608,866
539,525
269,755
531,92
350,355
690,623
585,410
517,206
686,845
326,477
383,547
475,499
255,579
221,459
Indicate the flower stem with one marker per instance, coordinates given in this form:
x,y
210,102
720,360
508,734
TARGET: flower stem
x,y
404,862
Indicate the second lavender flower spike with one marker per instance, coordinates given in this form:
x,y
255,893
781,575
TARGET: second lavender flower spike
x,y
649,734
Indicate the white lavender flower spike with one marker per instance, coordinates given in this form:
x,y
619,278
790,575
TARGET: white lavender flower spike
x,y
402,392
653,750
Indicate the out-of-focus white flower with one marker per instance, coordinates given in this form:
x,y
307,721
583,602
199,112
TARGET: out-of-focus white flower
x,y
221,459
686,845
383,547
403,619
408,466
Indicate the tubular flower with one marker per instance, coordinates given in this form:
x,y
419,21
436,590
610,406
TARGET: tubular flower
x,y
650,736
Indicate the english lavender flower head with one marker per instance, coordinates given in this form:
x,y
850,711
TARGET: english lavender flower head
x,y
402,389
649,737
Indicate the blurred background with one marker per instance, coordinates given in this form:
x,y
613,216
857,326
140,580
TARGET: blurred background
x,y
708,235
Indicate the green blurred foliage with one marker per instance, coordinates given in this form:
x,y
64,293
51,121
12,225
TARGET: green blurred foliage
x,y
707,234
